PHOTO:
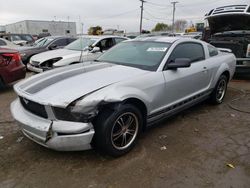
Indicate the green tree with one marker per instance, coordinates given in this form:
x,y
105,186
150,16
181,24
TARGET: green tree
x,y
97,30
161,27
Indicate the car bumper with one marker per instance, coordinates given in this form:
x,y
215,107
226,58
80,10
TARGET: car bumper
x,y
12,73
243,66
57,135
33,68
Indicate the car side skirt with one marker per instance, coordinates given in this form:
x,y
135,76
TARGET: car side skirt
x,y
176,108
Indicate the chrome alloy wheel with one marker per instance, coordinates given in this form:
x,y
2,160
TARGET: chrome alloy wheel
x,y
221,90
124,131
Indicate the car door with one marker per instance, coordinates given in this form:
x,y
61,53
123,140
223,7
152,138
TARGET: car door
x,y
104,45
185,83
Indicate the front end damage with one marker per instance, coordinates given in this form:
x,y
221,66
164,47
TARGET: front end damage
x,y
62,129
52,133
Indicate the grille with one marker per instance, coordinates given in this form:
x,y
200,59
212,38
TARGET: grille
x,y
34,107
230,9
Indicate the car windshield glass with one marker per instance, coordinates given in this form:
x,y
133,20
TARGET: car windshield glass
x,y
81,44
43,42
15,38
27,38
141,54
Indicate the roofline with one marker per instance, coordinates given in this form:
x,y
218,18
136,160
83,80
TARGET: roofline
x,y
40,21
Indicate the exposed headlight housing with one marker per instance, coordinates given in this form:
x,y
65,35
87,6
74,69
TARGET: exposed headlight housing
x,y
67,114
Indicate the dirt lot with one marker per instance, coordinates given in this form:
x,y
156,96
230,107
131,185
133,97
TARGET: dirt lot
x,y
191,149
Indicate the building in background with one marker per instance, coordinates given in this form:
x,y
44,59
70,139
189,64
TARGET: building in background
x,y
2,29
35,27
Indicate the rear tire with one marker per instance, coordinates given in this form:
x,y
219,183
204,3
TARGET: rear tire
x,y
220,90
117,130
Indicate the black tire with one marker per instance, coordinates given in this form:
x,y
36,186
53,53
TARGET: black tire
x,y
111,126
219,91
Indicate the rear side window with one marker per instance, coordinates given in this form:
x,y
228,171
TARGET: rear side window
x,y
71,40
2,43
61,42
193,51
212,51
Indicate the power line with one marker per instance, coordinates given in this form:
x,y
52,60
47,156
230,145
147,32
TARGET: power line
x,y
115,15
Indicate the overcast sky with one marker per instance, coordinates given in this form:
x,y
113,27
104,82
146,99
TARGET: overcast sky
x,y
122,14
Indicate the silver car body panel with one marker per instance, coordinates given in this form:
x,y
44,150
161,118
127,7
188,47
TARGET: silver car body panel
x,y
89,85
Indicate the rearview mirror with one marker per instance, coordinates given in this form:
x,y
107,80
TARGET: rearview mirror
x,y
95,49
52,46
179,63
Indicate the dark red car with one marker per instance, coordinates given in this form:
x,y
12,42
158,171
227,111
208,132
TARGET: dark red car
x,y
11,67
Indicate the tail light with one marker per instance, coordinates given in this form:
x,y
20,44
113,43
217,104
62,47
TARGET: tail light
x,y
248,51
8,58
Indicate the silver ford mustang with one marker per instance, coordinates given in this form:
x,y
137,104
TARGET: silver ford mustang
x,y
106,103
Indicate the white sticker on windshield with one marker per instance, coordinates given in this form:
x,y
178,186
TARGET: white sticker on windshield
x,y
157,49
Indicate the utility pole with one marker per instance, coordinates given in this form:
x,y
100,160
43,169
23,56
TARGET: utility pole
x,y
174,4
142,4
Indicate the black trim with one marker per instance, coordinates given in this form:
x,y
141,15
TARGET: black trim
x,y
176,107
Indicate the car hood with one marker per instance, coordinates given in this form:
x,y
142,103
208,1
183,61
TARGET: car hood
x,y
222,23
62,86
54,54
27,48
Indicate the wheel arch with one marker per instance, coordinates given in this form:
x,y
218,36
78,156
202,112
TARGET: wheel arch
x,y
141,106
227,74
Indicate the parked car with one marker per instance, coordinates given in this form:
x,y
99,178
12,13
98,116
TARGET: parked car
x,y
108,102
229,27
44,44
194,35
84,49
7,44
18,39
11,67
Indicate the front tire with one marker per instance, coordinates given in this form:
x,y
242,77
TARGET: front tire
x,y
219,91
117,130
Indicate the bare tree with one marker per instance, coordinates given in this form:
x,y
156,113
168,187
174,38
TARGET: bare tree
x,y
180,25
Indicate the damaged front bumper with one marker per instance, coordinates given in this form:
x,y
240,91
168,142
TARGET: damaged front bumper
x,y
54,134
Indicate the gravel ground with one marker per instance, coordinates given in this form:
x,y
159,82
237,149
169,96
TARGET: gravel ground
x,y
191,149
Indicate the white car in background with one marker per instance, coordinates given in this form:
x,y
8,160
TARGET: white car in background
x,y
7,44
86,48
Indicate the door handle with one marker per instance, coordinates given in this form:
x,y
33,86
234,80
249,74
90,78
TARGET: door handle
x,y
204,69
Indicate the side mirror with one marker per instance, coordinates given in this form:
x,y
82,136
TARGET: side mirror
x,y
52,46
95,49
179,63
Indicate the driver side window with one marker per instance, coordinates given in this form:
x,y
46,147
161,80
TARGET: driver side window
x,y
193,51
105,44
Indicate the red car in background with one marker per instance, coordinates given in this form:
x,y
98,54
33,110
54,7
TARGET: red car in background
x,y
11,67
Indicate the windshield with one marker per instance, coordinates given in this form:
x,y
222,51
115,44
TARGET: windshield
x,y
81,44
27,38
15,37
141,54
43,42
